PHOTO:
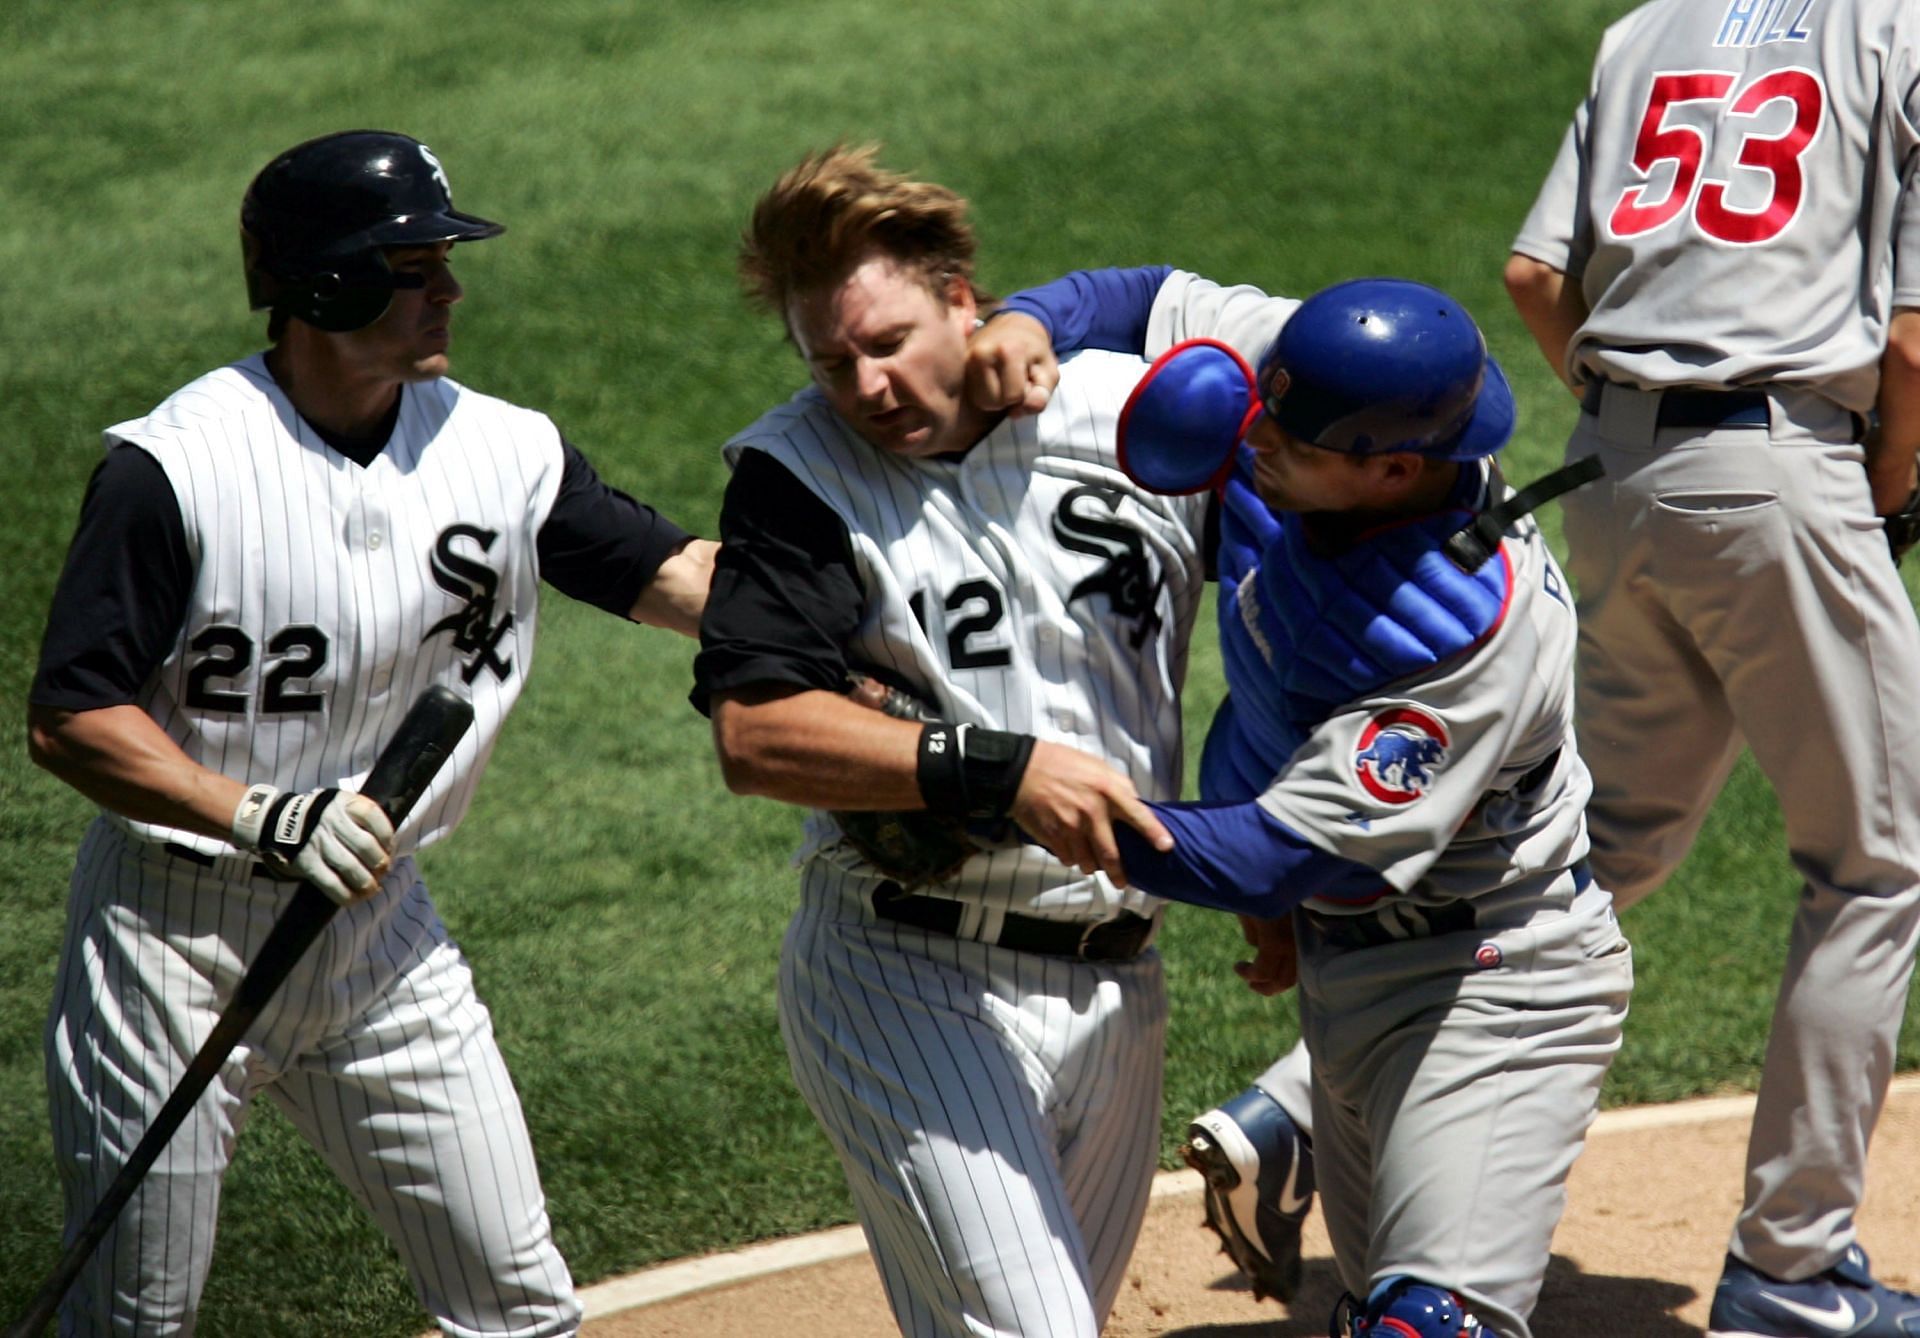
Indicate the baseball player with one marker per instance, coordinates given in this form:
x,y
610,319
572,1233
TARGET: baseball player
x,y
269,567
1395,759
1722,264
983,1052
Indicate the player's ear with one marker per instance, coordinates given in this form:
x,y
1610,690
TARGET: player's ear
x,y
957,292
1399,470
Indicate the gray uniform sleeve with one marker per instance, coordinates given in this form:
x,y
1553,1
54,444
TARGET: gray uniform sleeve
x,y
1468,732
1906,228
1557,231
1190,307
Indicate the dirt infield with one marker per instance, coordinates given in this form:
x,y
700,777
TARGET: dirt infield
x,y
1636,1256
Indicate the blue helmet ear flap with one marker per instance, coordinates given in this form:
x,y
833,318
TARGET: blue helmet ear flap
x,y
1183,423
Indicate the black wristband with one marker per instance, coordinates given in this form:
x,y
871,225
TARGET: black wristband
x,y
994,760
971,773
292,821
940,772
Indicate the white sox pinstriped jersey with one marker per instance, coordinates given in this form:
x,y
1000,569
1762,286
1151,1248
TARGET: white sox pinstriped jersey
x,y
329,594
1720,148
1028,585
325,596
996,1110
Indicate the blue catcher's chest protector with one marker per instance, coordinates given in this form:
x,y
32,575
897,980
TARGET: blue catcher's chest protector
x,y
1303,633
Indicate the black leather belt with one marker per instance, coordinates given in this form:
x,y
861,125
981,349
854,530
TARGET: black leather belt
x,y
1696,408
205,861
1401,921
1119,939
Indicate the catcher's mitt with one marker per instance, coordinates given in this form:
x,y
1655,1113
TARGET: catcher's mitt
x,y
914,847
1903,526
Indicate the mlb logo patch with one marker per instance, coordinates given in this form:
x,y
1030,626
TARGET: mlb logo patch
x,y
1398,753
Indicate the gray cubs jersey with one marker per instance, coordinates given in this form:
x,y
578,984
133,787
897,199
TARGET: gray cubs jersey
x,y
1483,789
328,595
1029,585
1713,201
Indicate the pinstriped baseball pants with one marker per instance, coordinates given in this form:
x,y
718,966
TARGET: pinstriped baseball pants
x,y
376,1049
997,1114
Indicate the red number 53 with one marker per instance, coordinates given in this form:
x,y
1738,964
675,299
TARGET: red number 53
x,y
1685,147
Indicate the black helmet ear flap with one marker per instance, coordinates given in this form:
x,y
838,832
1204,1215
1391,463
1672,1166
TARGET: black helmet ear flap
x,y
354,292
327,302
262,287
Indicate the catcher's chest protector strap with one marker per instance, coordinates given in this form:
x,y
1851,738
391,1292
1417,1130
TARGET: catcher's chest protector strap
x,y
1473,544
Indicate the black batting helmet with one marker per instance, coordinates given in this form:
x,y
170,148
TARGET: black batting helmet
x,y
314,220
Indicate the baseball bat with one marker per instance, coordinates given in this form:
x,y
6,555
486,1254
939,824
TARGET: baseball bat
x,y
405,767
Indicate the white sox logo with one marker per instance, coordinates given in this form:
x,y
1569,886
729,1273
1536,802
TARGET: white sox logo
x,y
474,631
1128,580
439,172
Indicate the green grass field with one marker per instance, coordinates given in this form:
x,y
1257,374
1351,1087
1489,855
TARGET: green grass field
x,y
621,911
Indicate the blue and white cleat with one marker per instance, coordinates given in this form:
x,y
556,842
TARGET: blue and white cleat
x,y
1259,1172
1843,1302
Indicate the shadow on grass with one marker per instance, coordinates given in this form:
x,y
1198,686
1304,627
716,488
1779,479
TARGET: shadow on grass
x,y
1571,1303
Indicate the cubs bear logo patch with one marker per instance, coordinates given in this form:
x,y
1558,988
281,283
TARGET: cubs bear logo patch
x,y
1398,753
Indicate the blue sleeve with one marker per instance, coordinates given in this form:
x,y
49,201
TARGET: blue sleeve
x,y
1095,308
1240,858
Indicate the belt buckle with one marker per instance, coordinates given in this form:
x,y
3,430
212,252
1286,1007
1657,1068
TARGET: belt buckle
x,y
1080,949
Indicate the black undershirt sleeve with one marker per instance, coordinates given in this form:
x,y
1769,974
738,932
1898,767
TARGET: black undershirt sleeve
x,y
599,545
786,597
123,592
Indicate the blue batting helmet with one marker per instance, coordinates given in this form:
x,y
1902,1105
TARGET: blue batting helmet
x,y
1376,365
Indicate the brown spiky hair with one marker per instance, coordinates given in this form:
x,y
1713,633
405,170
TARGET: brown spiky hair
x,y
838,208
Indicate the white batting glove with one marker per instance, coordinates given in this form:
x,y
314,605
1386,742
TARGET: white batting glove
x,y
339,841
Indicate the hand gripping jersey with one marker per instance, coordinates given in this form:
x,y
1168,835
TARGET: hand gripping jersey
x,y
328,595
1027,585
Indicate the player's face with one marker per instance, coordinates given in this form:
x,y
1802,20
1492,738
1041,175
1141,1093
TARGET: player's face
x,y
1294,475
890,355
410,341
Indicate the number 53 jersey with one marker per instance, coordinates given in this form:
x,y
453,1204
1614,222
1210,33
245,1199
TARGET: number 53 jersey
x,y
327,595
1718,147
